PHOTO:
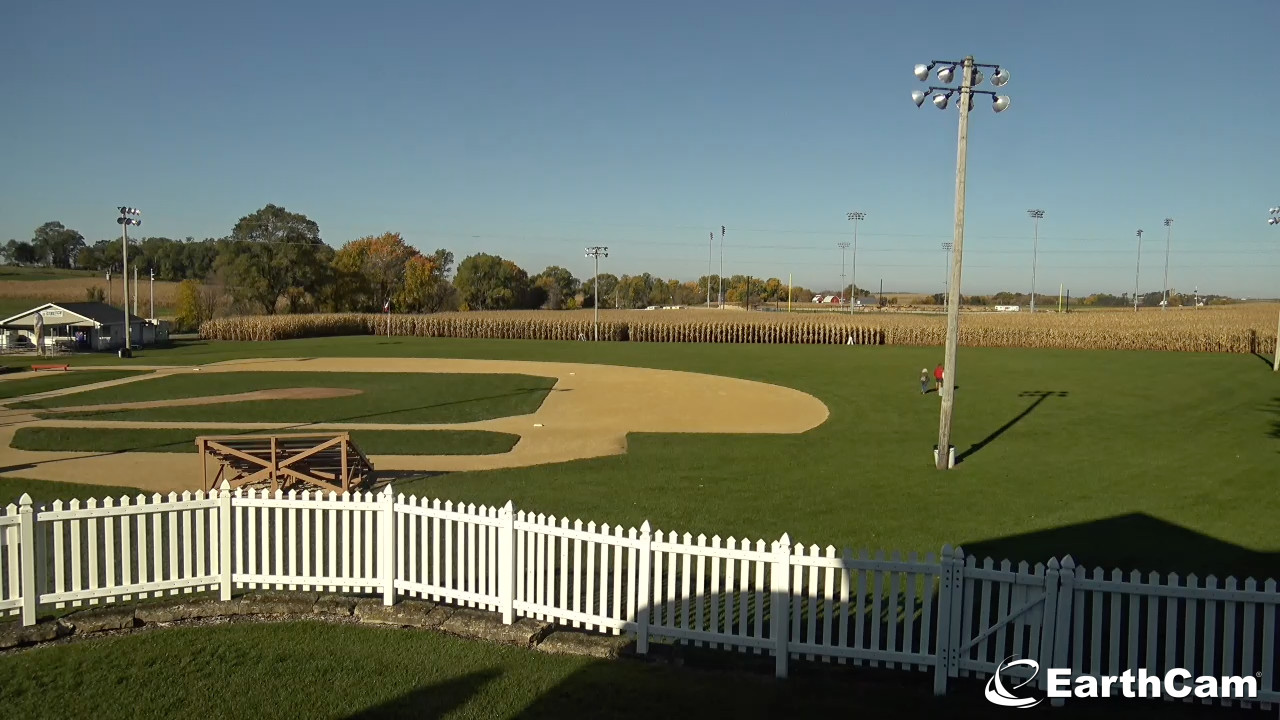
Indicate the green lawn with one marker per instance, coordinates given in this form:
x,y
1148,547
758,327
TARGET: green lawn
x,y
44,491
313,670
1156,461
182,440
56,380
384,398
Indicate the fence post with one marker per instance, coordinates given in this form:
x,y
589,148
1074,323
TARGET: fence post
x,y
27,546
224,541
1062,632
386,545
1048,621
780,605
958,565
506,562
942,656
640,605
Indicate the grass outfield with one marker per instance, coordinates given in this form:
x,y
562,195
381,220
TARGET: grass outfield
x,y
44,491
182,440
305,670
57,380
1150,460
384,398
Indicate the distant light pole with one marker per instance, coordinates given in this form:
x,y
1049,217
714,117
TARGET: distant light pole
x,y
596,251
1136,271
969,77
843,246
125,221
853,271
711,237
946,285
1036,216
1168,223
1275,362
152,294
721,291
109,288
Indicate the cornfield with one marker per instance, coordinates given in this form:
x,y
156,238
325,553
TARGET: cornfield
x,y
1230,329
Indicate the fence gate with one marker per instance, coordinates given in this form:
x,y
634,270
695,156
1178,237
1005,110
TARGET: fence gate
x,y
998,613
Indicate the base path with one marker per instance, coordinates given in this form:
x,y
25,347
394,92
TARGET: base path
x,y
587,414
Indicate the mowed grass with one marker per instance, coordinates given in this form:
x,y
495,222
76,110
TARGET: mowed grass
x,y
45,491
383,398
182,440
1147,460
57,380
305,670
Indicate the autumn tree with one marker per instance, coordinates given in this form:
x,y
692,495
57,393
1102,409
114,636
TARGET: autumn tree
x,y
371,270
192,306
425,287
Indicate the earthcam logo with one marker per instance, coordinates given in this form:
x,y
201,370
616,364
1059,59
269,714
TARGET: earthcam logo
x,y
1177,683
996,692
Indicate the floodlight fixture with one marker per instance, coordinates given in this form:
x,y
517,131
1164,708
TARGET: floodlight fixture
x,y
1000,78
1000,103
918,97
940,100
947,74
922,72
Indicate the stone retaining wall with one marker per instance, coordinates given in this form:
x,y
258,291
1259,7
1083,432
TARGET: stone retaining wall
x,y
269,605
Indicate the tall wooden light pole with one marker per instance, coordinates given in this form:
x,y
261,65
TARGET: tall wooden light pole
x,y
969,77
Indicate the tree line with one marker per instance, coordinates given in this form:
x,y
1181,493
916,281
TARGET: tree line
x,y
274,261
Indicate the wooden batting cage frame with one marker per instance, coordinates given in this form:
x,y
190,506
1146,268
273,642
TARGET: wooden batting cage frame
x,y
326,461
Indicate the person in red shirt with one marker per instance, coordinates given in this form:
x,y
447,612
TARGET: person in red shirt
x,y
937,376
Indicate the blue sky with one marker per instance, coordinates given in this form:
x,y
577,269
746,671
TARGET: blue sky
x,y
531,130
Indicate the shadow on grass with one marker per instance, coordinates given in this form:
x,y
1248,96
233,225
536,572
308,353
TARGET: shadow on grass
x,y
1134,541
813,690
1039,395
432,701
1274,409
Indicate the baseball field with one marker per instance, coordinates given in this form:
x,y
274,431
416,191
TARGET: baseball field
x,y
1151,460
1148,460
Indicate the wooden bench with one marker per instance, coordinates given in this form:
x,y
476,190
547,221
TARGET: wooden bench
x,y
50,367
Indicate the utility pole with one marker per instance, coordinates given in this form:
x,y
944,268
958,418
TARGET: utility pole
x,y
595,252
125,221
135,289
843,246
1136,271
853,271
1275,359
1035,251
1168,223
969,76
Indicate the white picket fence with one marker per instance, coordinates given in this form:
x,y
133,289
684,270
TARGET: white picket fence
x,y
944,614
